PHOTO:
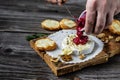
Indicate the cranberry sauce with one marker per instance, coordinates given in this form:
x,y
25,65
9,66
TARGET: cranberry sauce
x,y
80,39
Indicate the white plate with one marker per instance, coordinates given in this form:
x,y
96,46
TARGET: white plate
x,y
59,36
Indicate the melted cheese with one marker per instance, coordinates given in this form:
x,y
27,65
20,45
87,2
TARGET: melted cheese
x,y
78,49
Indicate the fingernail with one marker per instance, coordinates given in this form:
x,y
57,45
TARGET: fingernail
x,y
87,32
97,32
59,4
106,27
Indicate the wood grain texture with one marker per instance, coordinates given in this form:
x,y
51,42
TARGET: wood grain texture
x,y
19,18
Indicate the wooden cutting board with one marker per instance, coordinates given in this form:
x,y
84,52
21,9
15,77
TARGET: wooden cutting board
x,y
110,49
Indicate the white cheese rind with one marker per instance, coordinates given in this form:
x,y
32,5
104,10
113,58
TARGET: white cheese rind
x,y
78,49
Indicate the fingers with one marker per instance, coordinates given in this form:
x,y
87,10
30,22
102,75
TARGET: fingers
x,y
52,1
90,21
100,15
90,16
59,2
100,22
109,18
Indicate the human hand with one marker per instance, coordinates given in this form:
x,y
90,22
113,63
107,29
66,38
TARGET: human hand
x,y
100,14
59,2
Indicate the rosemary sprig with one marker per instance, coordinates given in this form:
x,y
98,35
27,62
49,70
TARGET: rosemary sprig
x,y
34,36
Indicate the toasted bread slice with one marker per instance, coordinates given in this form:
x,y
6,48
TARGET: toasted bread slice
x,y
115,27
50,24
67,24
45,44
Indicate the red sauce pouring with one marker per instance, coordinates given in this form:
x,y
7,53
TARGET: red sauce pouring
x,y
80,39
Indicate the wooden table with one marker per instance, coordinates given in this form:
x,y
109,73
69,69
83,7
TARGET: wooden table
x,y
19,18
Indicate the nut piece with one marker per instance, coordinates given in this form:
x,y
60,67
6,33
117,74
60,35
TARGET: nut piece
x,y
104,37
82,56
66,58
110,37
117,39
106,41
101,35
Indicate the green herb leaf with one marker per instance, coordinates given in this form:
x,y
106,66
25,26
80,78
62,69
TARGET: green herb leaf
x,y
34,36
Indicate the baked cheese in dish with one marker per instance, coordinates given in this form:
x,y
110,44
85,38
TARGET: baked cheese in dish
x,y
92,48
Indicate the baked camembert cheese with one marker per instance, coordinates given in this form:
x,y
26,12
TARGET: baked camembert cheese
x,y
69,45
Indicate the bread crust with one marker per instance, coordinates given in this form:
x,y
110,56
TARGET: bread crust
x,y
45,25
47,47
65,26
112,27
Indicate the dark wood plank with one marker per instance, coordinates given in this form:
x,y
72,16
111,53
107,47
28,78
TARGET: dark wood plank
x,y
19,61
19,18
26,16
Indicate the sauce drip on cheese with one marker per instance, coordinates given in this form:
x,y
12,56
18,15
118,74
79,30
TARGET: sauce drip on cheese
x,y
80,39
